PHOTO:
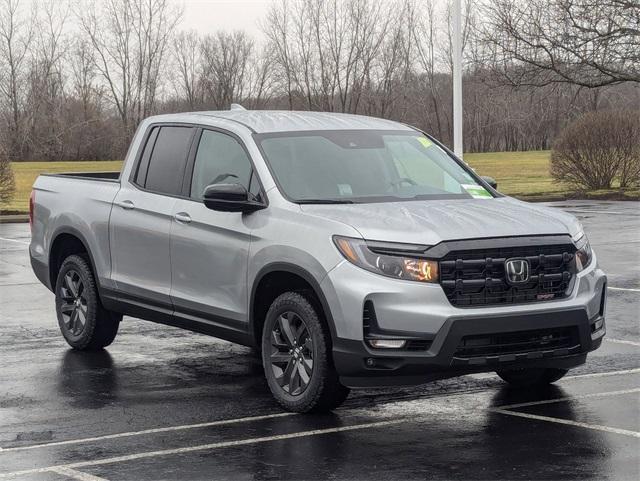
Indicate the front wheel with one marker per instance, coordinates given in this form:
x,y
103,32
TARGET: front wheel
x,y
297,359
532,376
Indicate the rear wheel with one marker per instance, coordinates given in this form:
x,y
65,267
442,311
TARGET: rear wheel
x,y
84,322
297,358
532,376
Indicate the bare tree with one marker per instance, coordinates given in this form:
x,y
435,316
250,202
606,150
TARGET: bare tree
x,y
225,67
130,39
187,59
591,43
16,36
46,95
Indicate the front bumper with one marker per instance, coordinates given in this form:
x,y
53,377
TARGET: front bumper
x,y
421,312
361,366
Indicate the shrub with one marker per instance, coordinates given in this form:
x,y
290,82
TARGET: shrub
x,y
7,181
596,149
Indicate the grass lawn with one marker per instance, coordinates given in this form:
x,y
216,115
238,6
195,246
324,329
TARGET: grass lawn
x,y
520,174
26,173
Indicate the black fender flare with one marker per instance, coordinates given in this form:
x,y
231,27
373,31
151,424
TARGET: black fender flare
x,y
304,274
68,230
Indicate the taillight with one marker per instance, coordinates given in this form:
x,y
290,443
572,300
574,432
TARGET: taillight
x,y
32,201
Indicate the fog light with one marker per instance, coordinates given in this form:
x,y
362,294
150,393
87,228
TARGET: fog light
x,y
387,343
598,324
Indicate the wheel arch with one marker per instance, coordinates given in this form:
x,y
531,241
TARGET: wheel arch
x,y
68,241
256,320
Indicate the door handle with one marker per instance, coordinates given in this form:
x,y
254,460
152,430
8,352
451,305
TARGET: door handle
x,y
182,217
126,204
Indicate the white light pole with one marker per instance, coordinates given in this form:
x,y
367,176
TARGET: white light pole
x,y
457,77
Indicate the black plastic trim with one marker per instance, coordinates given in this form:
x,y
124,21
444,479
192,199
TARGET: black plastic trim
x,y
76,233
293,269
443,248
392,368
164,313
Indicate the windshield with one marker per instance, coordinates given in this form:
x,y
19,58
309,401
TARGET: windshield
x,y
364,166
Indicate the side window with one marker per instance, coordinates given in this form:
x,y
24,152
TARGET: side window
x,y
220,159
168,160
143,166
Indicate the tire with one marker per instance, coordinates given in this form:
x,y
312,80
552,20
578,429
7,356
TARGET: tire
x,y
532,376
85,324
310,360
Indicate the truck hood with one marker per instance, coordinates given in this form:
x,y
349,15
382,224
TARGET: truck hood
x,y
433,221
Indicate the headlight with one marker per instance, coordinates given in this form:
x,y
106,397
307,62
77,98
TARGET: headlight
x,y
584,254
396,266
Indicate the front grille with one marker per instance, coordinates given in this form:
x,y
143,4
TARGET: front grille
x,y
496,345
477,277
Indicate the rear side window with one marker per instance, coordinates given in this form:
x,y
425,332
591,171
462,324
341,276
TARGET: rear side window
x,y
168,160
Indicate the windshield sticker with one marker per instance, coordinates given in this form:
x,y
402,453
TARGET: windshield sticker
x,y
477,191
345,189
425,142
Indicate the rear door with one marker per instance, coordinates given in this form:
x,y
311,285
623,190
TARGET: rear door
x,y
209,249
141,217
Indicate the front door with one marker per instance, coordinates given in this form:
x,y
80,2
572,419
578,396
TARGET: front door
x,y
209,249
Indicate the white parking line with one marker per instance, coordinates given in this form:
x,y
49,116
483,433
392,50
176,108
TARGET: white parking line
x,y
584,211
629,289
569,398
148,431
604,374
568,422
79,475
507,410
14,240
490,375
622,341
204,447
257,418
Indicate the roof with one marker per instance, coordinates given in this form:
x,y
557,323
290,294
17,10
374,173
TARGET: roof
x,y
264,121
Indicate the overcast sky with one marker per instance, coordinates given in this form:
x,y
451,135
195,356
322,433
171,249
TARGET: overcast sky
x,y
207,16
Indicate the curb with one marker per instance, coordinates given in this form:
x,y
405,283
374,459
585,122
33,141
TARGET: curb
x,y
7,219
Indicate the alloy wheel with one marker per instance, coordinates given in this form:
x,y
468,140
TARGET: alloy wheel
x,y
74,303
291,353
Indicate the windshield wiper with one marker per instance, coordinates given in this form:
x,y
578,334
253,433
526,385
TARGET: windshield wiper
x,y
325,201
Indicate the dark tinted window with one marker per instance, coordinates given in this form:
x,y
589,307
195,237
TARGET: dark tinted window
x,y
141,174
168,160
220,160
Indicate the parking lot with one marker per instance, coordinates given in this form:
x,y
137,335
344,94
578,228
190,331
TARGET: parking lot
x,y
161,403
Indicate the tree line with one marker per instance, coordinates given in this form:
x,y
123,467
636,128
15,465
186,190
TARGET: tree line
x,y
77,76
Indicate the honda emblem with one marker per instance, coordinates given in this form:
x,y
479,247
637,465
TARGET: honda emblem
x,y
517,270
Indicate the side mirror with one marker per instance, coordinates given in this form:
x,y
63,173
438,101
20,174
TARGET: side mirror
x,y
229,198
491,181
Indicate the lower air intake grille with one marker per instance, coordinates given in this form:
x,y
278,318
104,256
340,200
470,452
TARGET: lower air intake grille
x,y
489,345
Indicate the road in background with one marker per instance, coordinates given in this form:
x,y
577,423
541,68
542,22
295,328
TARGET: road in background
x,y
162,403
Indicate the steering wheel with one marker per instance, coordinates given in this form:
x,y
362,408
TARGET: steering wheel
x,y
402,180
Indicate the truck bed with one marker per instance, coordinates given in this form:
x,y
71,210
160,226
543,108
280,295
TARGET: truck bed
x,y
78,203
99,176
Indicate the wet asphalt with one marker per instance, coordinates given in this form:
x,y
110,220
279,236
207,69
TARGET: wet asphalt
x,y
161,403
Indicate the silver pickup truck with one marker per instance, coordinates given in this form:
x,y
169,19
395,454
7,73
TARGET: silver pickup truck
x,y
350,251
